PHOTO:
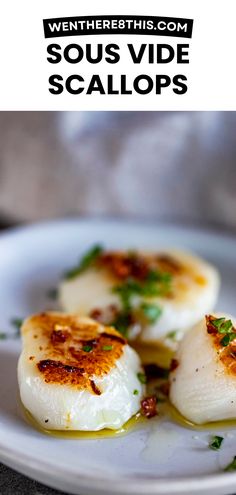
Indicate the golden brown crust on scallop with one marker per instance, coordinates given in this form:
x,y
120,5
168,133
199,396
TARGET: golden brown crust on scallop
x,y
124,265
75,349
227,354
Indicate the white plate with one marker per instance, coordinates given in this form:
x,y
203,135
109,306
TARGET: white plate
x,y
158,458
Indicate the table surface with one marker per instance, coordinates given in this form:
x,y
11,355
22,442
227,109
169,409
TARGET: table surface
x,y
15,483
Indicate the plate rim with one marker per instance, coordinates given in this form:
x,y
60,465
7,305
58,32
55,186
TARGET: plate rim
x,y
142,222
118,485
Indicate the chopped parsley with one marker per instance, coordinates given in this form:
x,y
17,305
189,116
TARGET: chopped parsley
x,y
88,259
135,392
155,284
151,312
107,348
126,291
216,443
226,328
87,348
17,323
142,378
172,335
222,325
52,293
231,466
122,322
227,339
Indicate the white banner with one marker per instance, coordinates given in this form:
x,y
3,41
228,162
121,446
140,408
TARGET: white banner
x,y
126,55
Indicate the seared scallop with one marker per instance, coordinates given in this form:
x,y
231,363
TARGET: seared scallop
x,y
203,381
76,374
152,297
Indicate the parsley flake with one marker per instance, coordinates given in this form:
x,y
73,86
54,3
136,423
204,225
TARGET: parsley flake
x,y
223,325
152,312
216,442
122,322
155,284
231,466
135,392
226,328
88,259
52,293
142,378
217,322
172,335
17,323
107,348
227,339
126,291
87,348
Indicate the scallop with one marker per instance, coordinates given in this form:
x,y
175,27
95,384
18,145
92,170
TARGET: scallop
x,y
203,383
168,292
76,374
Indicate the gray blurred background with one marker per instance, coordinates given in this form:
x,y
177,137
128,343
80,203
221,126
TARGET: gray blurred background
x,y
168,166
